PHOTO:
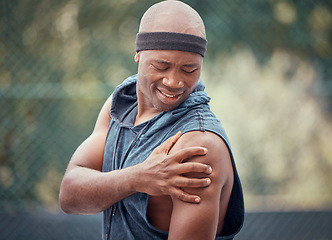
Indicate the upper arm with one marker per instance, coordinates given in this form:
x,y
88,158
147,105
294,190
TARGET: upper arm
x,y
203,220
90,153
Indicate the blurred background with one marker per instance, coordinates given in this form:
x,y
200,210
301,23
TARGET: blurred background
x,y
268,70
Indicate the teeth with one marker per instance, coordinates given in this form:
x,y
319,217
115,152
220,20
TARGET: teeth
x,y
167,95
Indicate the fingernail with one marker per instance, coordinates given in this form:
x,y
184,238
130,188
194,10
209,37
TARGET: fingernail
x,y
209,169
197,199
208,181
204,149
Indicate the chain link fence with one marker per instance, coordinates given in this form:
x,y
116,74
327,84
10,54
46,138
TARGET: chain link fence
x,y
268,70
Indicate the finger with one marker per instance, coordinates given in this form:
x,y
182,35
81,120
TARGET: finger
x,y
193,167
183,196
192,182
169,143
185,153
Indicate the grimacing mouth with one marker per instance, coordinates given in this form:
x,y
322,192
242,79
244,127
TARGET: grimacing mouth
x,y
169,95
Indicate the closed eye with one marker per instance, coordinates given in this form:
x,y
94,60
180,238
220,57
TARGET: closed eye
x,y
161,67
189,70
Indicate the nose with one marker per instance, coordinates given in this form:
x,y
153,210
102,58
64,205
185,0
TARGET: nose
x,y
172,80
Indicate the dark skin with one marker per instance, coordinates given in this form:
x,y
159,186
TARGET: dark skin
x,y
161,71
85,189
187,198
208,216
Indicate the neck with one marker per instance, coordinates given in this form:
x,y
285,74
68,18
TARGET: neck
x,y
143,117
144,112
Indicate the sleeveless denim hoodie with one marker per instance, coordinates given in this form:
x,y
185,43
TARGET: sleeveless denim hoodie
x,y
128,145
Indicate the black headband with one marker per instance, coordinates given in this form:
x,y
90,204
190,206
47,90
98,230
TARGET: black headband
x,y
170,41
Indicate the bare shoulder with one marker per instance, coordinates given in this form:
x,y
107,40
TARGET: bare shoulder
x,y
204,220
218,156
206,139
104,115
90,152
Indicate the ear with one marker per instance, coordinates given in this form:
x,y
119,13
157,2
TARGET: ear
x,y
137,55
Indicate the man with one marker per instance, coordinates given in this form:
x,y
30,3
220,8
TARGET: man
x,y
158,162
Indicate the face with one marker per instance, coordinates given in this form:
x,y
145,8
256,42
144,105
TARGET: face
x,y
166,78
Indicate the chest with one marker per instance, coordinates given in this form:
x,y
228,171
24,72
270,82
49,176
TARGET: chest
x,y
128,146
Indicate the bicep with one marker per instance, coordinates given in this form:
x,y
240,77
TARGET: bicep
x,y
195,221
90,153
200,221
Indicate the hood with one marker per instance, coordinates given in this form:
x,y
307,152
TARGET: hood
x,y
125,99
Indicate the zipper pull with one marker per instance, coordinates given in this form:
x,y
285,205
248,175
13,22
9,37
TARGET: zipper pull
x,y
114,209
108,233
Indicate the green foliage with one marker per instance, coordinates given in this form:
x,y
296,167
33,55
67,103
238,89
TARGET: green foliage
x,y
279,128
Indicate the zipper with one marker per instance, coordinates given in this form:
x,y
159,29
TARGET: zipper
x,y
112,214
113,208
132,145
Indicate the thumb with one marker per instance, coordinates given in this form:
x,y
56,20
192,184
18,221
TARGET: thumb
x,y
166,146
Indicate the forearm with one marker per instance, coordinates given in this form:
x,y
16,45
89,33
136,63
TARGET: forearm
x,y
88,191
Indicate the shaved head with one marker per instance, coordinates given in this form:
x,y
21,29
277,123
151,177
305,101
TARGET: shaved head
x,y
170,48
172,16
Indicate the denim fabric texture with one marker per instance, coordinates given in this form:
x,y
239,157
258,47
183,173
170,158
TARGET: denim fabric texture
x,y
127,145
